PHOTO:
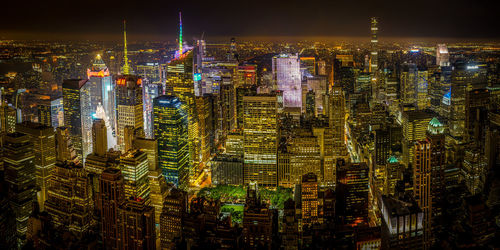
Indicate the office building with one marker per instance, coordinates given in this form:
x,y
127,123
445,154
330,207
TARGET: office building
x,y
19,174
110,198
422,184
135,168
76,114
287,78
43,139
352,189
260,139
69,201
309,199
129,106
442,55
174,209
171,132
136,225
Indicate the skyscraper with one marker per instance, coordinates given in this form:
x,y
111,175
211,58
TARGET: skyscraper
x,y
171,131
110,198
136,225
135,168
150,90
337,121
422,184
129,106
442,55
286,76
19,174
309,199
102,96
374,47
174,209
352,188
70,198
76,115
43,139
260,133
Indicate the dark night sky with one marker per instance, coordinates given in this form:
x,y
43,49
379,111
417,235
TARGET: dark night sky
x,y
158,19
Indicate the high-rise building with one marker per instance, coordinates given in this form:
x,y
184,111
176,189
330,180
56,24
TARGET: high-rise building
x,y
43,139
227,169
150,90
422,183
337,122
129,109
171,132
134,166
436,138
260,133
102,95
64,147
290,232
136,225
414,86
352,188
442,55
396,212
374,47
8,118
309,199
287,77
19,174
111,197
157,183
70,198
415,123
174,209
76,115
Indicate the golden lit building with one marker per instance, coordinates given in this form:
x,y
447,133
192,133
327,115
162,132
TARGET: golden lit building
x,y
135,168
309,198
260,139
43,139
174,208
129,106
422,184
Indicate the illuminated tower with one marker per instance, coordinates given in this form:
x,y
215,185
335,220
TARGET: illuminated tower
x,y
287,78
43,139
129,106
102,96
422,184
180,34
374,47
64,147
436,138
260,139
134,166
126,68
171,132
77,116
19,174
337,121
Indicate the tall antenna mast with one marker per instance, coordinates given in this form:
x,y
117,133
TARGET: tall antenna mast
x,y
126,68
180,33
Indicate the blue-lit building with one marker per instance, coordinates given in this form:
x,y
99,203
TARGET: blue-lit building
x,y
171,132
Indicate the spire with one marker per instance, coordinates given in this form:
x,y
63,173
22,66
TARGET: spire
x,y
126,68
180,33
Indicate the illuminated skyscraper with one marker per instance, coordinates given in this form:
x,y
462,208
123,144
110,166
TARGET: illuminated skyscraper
x,y
436,138
102,94
374,47
442,55
171,132
43,139
414,86
150,91
128,106
76,115
19,174
337,122
135,168
64,147
157,183
70,198
110,198
422,183
7,118
415,123
309,199
174,209
260,139
287,78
